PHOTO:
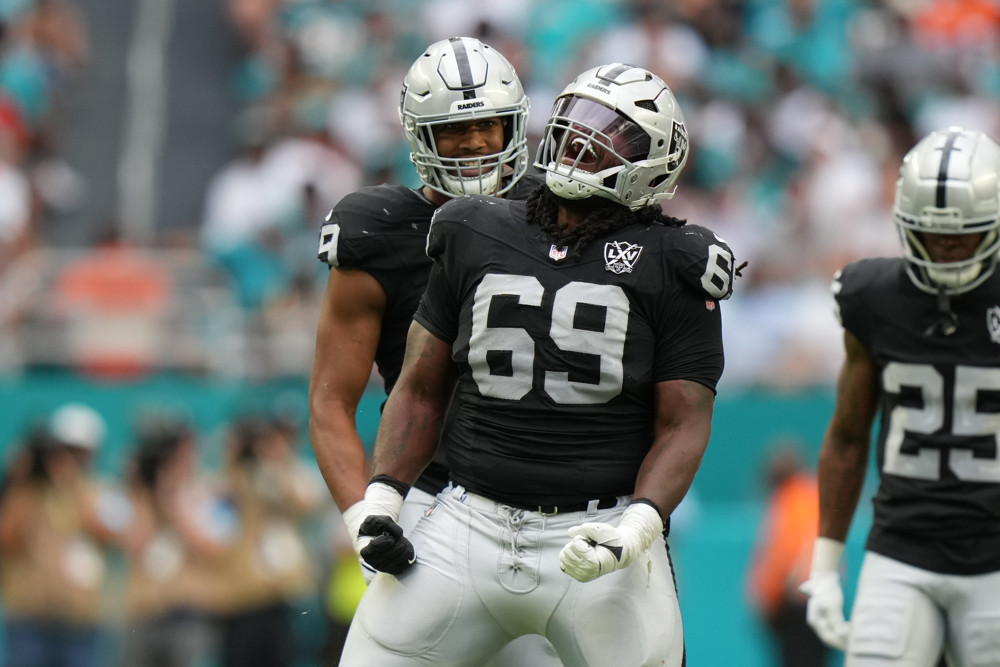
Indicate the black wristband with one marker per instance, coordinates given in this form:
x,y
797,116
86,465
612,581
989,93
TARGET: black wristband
x,y
647,501
402,488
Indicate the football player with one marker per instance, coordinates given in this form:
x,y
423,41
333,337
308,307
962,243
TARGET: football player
x,y
577,339
464,113
922,340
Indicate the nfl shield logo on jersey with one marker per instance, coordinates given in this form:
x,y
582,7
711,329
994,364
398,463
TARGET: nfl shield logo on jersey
x,y
621,256
558,253
993,323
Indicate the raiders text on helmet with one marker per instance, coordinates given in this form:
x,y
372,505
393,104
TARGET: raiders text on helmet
x,y
456,80
949,183
615,132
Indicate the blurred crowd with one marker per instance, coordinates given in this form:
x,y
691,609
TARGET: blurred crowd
x,y
799,113
167,562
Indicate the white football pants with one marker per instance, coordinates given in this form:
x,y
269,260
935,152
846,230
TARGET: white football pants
x,y
524,651
903,616
487,573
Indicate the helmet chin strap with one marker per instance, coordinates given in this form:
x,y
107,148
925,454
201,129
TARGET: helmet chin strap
x,y
486,183
947,322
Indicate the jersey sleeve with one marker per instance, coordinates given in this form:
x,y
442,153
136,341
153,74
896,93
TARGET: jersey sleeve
x,y
690,338
702,260
849,288
345,244
379,229
438,311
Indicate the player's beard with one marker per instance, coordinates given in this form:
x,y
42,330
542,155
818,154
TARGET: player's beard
x,y
594,212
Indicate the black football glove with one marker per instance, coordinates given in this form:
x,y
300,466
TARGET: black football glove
x,y
388,551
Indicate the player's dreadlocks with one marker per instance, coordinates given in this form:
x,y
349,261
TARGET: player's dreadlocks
x,y
603,216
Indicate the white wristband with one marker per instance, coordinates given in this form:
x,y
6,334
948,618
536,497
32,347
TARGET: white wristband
x,y
353,516
826,555
382,499
639,526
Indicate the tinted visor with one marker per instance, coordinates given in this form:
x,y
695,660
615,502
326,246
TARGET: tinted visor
x,y
593,137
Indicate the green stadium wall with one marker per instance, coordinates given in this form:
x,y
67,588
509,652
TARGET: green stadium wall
x,y
712,540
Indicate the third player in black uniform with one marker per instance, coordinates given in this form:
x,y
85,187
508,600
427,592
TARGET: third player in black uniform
x,y
922,339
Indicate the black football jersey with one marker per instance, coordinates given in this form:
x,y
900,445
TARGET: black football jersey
x,y
558,355
382,230
937,506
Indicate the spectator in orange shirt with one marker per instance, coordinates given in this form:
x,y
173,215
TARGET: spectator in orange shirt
x,y
782,558
115,304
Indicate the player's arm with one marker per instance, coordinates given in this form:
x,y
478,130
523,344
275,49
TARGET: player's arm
x,y
843,460
407,438
348,333
683,424
411,422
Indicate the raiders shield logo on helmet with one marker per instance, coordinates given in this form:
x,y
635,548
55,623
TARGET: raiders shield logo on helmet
x,y
678,145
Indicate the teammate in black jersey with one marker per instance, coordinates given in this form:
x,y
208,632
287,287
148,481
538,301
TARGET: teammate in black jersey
x,y
922,339
580,335
464,113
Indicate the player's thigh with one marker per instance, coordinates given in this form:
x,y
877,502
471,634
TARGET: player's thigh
x,y
974,620
426,615
528,650
629,617
894,620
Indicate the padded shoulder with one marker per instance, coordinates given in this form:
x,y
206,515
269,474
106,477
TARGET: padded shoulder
x,y
863,284
701,259
456,222
377,226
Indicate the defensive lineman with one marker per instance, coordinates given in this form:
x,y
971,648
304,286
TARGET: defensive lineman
x,y
581,335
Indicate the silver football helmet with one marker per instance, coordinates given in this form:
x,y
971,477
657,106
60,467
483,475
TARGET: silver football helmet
x,y
462,79
949,183
615,132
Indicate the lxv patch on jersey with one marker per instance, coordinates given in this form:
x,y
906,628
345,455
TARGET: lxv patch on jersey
x,y
621,256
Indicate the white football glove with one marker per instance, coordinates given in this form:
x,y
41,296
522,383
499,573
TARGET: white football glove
x,y
599,548
825,610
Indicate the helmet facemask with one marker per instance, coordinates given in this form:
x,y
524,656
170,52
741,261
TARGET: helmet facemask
x,y
491,174
591,146
615,132
950,277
